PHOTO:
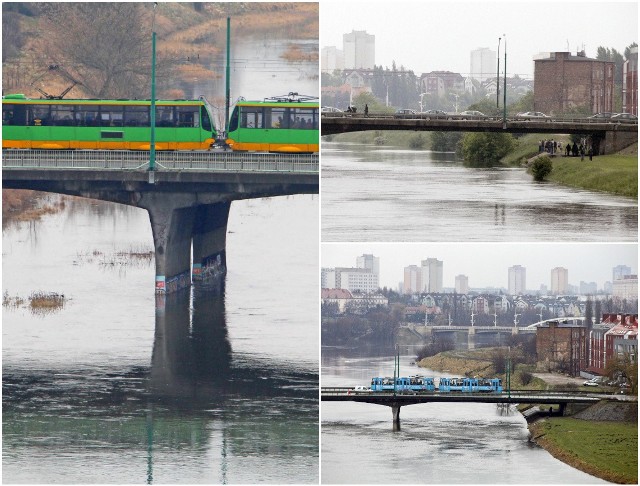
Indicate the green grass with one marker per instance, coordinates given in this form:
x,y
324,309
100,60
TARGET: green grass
x,y
527,147
606,449
614,174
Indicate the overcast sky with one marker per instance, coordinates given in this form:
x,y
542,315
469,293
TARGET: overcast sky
x,y
430,35
487,265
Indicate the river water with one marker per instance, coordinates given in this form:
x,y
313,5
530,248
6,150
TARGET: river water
x,y
214,385
371,193
437,443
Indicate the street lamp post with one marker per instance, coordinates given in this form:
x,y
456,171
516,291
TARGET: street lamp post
x,y
152,114
498,77
421,95
504,107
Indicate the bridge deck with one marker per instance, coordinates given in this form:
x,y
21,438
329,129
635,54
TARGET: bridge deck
x,y
333,123
347,394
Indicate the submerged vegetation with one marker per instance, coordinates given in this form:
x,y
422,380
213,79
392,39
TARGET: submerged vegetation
x,y
39,302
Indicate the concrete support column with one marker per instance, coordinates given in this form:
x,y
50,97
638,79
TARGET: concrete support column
x,y
172,228
395,410
209,240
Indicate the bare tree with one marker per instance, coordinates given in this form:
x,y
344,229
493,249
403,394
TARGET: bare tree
x,y
105,46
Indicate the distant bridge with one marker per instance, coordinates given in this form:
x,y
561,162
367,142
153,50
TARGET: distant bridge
x,y
607,137
188,196
397,400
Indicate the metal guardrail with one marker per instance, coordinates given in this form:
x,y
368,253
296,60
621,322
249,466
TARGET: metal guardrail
x,y
175,160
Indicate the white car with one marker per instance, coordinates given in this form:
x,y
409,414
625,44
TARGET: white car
x,y
528,115
361,389
591,382
330,109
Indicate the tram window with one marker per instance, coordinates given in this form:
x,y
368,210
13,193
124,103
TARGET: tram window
x,y
252,117
165,117
206,121
136,116
62,115
111,115
87,116
187,116
38,115
8,115
302,118
278,118
233,123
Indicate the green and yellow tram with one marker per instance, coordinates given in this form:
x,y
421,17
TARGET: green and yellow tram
x,y
281,124
104,124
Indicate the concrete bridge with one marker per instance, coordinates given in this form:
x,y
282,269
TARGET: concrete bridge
x,y
397,400
607,137
188,196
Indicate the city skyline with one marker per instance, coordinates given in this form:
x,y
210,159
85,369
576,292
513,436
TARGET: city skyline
x,y
429,42
486,264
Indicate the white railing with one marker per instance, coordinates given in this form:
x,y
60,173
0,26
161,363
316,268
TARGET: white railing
x,y
178,160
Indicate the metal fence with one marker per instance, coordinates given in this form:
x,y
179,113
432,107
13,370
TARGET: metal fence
x,y
178,160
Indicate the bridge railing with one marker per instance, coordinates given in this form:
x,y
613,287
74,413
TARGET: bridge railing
x,y
174,160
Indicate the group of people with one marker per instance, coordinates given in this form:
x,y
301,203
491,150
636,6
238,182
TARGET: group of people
x,y
353,109
571,150
549,146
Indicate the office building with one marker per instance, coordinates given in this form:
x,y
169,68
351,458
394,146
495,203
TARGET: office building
x,y
559,281
483,64
517,280
359,50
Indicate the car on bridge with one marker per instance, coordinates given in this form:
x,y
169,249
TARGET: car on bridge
x,y
404,112
624,118
469,115
532,115
604,116
432,114
330,109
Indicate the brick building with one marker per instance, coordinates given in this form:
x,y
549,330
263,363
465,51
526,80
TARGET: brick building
x,y
561,347
616,335
630,83
565,83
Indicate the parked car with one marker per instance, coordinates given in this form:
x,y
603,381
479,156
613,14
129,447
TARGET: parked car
x,y
470,115
590,382
624,118
433,112
402,112
528,115
605,115
330,109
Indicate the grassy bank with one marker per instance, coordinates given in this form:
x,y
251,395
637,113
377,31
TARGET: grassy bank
x,y
614,174
608,450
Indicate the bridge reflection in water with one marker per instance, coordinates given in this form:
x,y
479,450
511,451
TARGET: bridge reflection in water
x,y
196,397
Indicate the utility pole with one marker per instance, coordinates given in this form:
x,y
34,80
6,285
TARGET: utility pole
x,y
228,87
152,143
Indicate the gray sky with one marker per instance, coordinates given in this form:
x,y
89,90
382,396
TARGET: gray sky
x,y
430,35
486,264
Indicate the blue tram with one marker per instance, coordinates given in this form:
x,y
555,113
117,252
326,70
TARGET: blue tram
x,y
470,385
412,383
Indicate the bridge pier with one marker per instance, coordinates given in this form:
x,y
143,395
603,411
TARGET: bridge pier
x,y
395,411
209,241
175,223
